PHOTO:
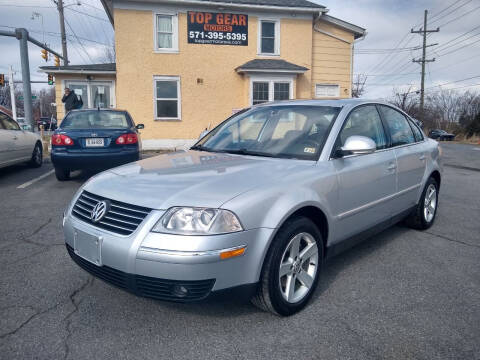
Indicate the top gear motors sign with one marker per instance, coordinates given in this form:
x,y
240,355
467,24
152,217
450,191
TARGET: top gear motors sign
x,y
217,28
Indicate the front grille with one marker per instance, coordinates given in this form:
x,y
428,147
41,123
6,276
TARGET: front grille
x,y
121,218
146,286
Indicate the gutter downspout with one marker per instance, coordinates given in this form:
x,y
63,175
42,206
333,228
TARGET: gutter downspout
x,y
351,61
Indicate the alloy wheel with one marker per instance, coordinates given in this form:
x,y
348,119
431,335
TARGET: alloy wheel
x,y
430,203
298,267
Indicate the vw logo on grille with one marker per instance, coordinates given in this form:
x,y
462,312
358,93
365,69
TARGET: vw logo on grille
x,y
99,211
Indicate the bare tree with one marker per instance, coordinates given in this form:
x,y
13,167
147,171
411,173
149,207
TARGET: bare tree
x,y
109,53
358,85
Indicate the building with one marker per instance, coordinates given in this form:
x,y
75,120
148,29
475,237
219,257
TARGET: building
x,y
183,66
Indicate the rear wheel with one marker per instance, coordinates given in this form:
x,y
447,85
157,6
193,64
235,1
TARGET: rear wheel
x,y
291,269
424,215
62,174
37,156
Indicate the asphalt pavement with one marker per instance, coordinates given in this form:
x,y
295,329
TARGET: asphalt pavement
x,y
402,294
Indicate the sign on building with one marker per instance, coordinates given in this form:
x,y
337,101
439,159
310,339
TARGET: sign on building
x,y
217,28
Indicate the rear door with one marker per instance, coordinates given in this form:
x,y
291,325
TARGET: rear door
x,y
365,181
410,152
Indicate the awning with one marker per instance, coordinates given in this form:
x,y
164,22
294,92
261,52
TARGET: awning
x,y
270,66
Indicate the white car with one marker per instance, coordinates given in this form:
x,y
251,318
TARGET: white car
x,y
17,145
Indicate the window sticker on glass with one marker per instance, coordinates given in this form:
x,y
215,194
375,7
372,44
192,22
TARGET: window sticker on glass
x,y
310,150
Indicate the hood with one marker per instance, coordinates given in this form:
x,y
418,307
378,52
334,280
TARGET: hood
x,y
190,178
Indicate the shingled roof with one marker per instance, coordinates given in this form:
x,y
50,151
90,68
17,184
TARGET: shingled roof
x,y
294,5
270,65
93,68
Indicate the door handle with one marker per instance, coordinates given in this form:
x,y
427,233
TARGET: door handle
x,y
391,167
421,158
15,138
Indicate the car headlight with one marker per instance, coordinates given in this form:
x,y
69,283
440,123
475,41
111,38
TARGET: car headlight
x,y
197,221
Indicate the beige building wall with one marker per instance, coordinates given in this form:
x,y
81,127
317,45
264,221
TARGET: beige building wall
x,y
223,89
332,58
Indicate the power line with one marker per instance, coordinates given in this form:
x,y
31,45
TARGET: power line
x,y
78,40
460,48
57,34
458,37
445,9
89,15
459,17
454,10
447,83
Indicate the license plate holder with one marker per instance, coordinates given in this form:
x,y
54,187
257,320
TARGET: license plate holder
x,y
95,142
88,247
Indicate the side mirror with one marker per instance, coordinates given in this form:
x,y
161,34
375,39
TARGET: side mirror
x,y
203,133
140,126
358,145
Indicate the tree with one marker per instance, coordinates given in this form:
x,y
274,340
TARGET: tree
x,y
358,85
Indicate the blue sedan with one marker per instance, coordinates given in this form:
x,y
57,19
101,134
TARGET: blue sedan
x,y
94,139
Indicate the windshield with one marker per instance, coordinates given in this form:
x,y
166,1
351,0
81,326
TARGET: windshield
x,y
293,131
96,120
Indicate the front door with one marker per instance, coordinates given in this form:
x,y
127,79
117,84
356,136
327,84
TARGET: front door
x,y
100,95
365,182
80,90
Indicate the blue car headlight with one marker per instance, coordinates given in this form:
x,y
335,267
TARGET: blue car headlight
x,y
197,221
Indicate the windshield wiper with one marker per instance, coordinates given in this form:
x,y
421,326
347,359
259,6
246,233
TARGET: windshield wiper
x,y
247,152
200,148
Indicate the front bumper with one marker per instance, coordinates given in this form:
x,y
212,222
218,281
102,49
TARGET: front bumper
x,y
163,266
81,160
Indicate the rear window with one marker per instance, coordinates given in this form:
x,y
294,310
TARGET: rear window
x,y
96,120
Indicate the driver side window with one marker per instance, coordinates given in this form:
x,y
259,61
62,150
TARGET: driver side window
x,y
364,121
9,124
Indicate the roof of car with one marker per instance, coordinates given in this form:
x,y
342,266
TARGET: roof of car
x,y
317,102
98,109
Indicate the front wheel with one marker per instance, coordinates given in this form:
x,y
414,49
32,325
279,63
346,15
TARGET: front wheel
x,y
291,269
424,214
62,174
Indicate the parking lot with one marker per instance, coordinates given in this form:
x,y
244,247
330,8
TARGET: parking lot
x,y
403,294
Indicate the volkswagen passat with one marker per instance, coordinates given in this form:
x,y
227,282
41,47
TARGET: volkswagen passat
x,y
258,203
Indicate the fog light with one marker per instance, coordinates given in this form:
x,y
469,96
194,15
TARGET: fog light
x,y
180,290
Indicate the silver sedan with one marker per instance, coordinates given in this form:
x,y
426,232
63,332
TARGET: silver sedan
x,y
18,145
258,203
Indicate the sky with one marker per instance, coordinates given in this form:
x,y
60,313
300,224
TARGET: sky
x,y
384,55
388,24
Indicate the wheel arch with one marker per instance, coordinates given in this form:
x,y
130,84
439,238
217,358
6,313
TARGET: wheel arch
x,y
436,175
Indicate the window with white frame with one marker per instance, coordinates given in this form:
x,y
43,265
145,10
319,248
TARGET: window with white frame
x,y
269,37
166,32
327,90
167,97
263,90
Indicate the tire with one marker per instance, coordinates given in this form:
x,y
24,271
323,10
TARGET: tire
x,y
37,156
62,174
272,292
421,218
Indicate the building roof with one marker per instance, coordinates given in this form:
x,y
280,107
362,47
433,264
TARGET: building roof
x,y
271,65
87,68
282,3
291,5
357,31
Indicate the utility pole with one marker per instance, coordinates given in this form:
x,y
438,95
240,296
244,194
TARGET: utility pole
x,y
22,36
62,31
23,39
424,31
12,93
